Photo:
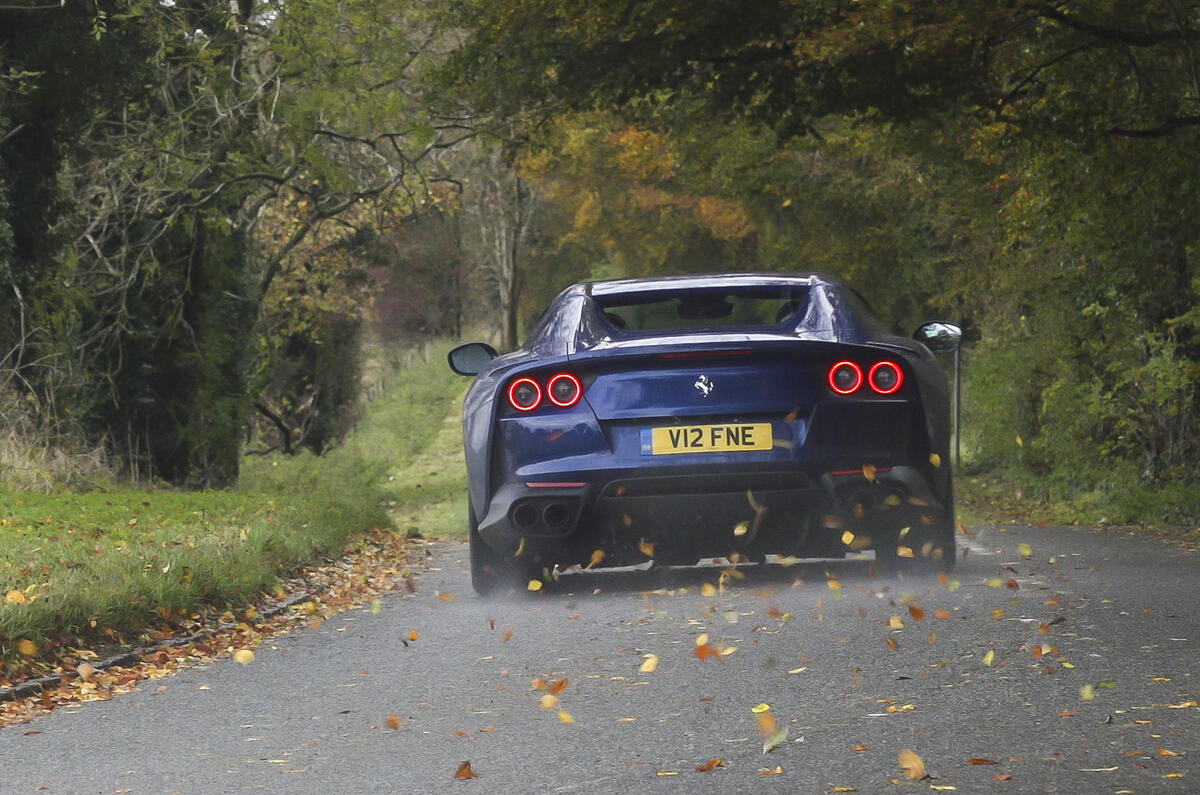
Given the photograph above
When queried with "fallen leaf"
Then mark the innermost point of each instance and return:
(548, 701)
(711, 764)
(15, 597)
(461, 734)
(507, 636)
(649, 663)
(243, 656)
(445, 597)
(941, 614)
(393, 722)
(465, 771)
(912, 765)
(895, 622)
(1002, 777)
(27, 647)
(1169, 752)
(981, 761)
(989, 657)
(857, 748)
(766, 771)
(413, 635)
(86, 672)
(539, 684)
(1025, 550)
(891, 643)
(557, 686)
(565, 717)
(916, 612)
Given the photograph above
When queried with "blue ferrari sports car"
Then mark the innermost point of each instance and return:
(681, 418)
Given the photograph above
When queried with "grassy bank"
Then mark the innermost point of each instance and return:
(113, 565)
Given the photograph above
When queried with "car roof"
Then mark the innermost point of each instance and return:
(667, 284)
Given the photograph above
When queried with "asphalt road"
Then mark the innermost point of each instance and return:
(311, 712)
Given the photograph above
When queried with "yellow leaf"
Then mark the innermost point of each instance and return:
(520, 548)
(702, 639)
(1025, 550)
(912, 765)
(534, 585)
(989, 657)
(376, 607)
(1020, 441)
(760, 708)
(565, 717)
(935, 459)
(892, 500)
(412, 635)
(895, 622)
(741, 529)
(847, 538)
(708, 589)
(904, 552)
(548, 701)
(445, 597)
(774, 740)
(243, 656)
(649, 663)
(15, 597)
(597, 556)
(868, 471)
(798, 670)
(646, 548)
(766, 771)
(1087, 693)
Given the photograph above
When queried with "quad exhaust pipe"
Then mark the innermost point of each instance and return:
(543, 516)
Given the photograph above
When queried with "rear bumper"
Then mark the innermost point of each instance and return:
(686, 517)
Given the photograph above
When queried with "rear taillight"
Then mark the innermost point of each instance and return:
(564, 390)
(524, 394)
(845, 378)
(885, 378)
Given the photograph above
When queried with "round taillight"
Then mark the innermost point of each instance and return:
(524, 394)
(845, 378)
(564, 390)
(885, 377)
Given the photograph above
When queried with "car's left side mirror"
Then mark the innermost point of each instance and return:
(471, 358)
(939, 336)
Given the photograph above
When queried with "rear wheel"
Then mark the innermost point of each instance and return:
(490, 571)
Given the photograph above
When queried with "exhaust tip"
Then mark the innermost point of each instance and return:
(555, 515)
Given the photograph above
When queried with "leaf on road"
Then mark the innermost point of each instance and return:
(916, 612)
(649, 663)
(891, 643)
(895, 622)
(981, 761)
(557, 686)
(548, 701)
(412, 635)
(1025, 550)
(857, 749)
(766, 771)
(990, 657)
(565, 717)
(446, 597)
(394, 722)
(507, 636)
(710, 765)
(912, 765)
(243, 656)
(1087, 693)
(465, 771)
(941, 614)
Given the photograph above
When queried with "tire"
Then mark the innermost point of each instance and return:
(490, 572)
(486, 566)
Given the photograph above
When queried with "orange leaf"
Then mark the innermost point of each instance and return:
(941, 614)
(27, 647)
(707, 650)
(465, 771)
(767, 725)
(912, 765)
(916, 612)
(538, 684)
(1011, 584)
(393, 722)
(766, 771)
(711, 764)
(445, 597)
(857, 748)
(557, 686)
(891, 643)
(461, 734)
(646, 548)
(413, 635)
(1002, 777)
(981, 761)
(868, 471)
(507, 636)
(597, 556)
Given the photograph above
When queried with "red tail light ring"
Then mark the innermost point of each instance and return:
(564, 390)
(524, 394)
(845, 377)
(885, 377)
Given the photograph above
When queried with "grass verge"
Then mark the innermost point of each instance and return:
(116, 566)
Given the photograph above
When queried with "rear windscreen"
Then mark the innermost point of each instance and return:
(697, 310)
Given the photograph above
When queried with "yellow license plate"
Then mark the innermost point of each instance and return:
(733, 437)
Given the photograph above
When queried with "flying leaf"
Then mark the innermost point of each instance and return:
(710, 765)
(534, 585)
(775, 740)
(895, 622)
(935, 459)
(565, 717)
(941, 614)
(904, 552)
(557, 686)
(708, 589)
(916, 612)
(646, 548)
(741, 528)
(1087, 693)
(520, 548)
(766, 771)
(708, 650)
(649, 663)
(1025, 550)
(761, 708)
(868, 471)
(1020, 441)
(412, 635)
(243, 656)
(597, 556)
(847, 538)
(891, 643)
(548, 701)
(465, 771)
(912, 765)
(507, 636)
